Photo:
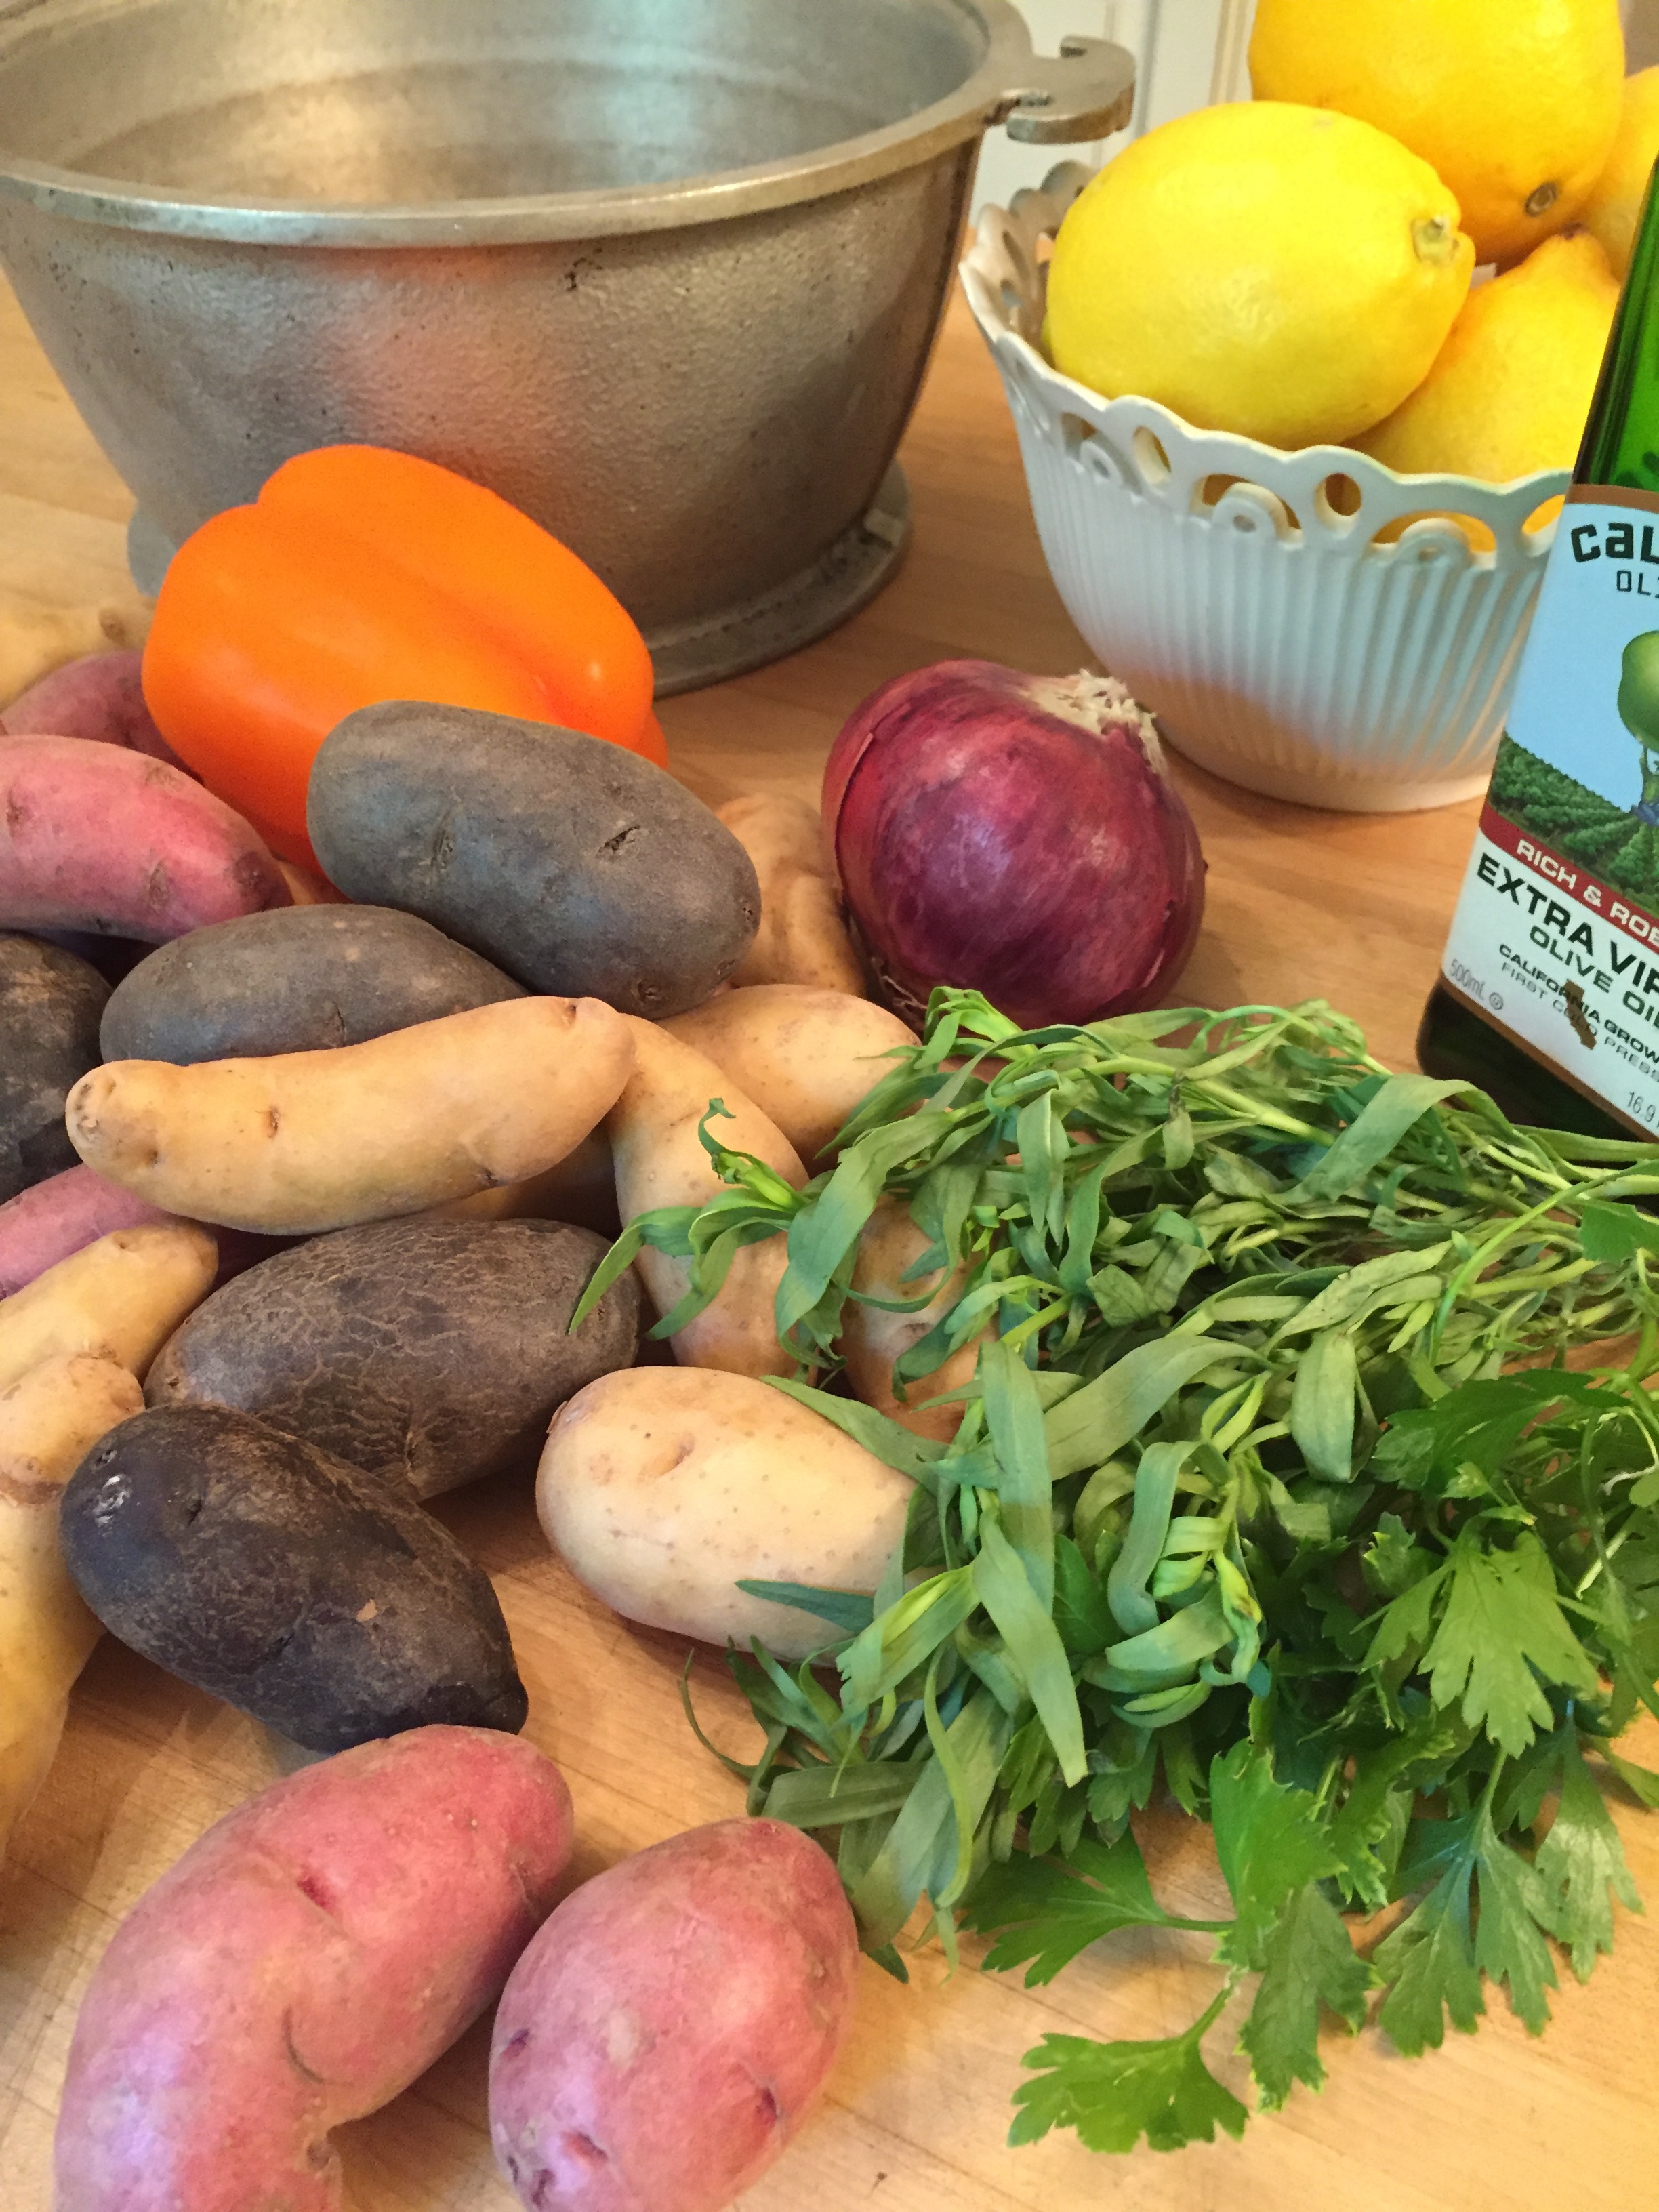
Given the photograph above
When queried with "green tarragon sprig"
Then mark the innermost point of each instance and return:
(1270, 1483)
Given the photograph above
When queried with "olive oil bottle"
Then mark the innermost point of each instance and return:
(1549, 989)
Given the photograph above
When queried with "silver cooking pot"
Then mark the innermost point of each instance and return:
(663, 272)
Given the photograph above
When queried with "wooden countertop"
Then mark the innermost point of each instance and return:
(1350, 907)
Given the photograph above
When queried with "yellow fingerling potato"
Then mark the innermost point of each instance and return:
(802, 938)
(872, 1339)
(661, 1161)
(806, 1057)
(119, 1298)
(664, 1487)
(49, 1421)
(306, 1141)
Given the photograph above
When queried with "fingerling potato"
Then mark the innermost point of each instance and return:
(873, 1338)
(661, 1161)
(429, 1353)
(302, 1142)
(119, 1298)
(49, 1421)
(51, 1003)
(323, 1601)
(806, 1057)
(95, 837)
(802, 938)
(662, 2037)
(304, 1961)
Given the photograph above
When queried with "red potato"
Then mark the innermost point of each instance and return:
(63, 1214)
(100, 697)
(660, 2040)
(95, 837)
(303, 1962)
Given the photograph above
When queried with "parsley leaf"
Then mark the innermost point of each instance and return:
(1502, 1622)
(1515, 1909)
(1369, 1827)
(1429, 1960)
(1641, 1781)
(1434, 1959)
(1308, 1959)
(1393, 1561)
(1406, 1625)
(1581, 1863)
(1047, 1911)
(1272, 1842)
(1112, 2094)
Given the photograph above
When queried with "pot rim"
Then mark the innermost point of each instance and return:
(1057, 101)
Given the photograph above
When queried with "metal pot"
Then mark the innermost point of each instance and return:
(663, 272)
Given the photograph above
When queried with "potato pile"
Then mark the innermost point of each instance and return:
(297, 1198)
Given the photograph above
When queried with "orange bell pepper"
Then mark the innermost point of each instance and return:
(362, 575)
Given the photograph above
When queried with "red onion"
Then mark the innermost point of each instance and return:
(1014, 834)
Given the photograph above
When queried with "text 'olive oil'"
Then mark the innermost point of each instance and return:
(1549, 996)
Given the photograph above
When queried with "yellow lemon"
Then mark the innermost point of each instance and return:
(1513, 384)
(1514, 102)
(1614, 208)
(1278, 271)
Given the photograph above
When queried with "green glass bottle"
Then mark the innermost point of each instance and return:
(1549, 989)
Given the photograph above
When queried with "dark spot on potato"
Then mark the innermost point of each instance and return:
(612, 846)
(194, 1510)
(16, 813)
(514, 2045)
(111, 1497)
(273, 1119)
(313, 1886)
(319, 2156)
(542, 2195)
(771, 2112)
(441, 852)
(293, 2055)
(157, 888)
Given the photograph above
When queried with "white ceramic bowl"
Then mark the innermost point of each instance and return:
(1277, 642)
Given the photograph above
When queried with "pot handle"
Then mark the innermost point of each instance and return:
(1087, 93)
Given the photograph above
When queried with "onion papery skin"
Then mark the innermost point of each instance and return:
(1015, 835)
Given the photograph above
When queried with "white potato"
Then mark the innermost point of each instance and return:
(661, 1161)
(49, 1421)
(802, 938)
(871, 1340)
(805, 1056)
(119, 1298)
(663, 1488)
(299, 1142)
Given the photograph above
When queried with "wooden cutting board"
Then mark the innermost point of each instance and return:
(1349, 908)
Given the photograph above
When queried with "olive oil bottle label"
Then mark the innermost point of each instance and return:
(1556, 937)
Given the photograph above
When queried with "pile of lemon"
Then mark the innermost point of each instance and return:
(1298, 269)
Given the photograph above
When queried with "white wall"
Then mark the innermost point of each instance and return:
(1189, 53)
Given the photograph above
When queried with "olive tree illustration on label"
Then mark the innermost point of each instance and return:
(1638, 710)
